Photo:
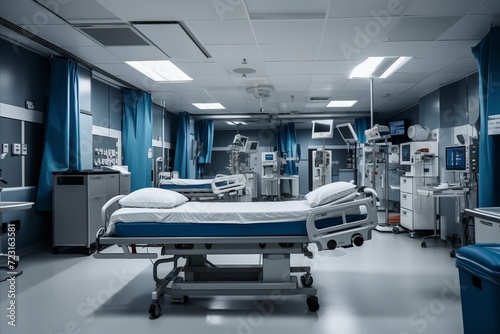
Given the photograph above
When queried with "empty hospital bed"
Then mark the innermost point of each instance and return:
(336, 215)
(218, 187)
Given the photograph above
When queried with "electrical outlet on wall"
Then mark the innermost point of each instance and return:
(16, 149)
(24, 149)
(5, 148)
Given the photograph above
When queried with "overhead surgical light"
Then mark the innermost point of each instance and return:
(378, 67)
(160, 71)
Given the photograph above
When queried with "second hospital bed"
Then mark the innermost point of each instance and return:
(191, 231)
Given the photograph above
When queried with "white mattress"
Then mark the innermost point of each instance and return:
(186, 182)
(220, 212)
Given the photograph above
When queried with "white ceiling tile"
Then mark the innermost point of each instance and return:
(236, 53)
(447, 49)
(121, 69)
(222, 32)
(195, 69)
(411, 28)
(94, 55)
(79, 11)
(300, 82)
(426, 65)
(462, 65)
(288, 32)
(357, 32)
(286, 68)
(327, 82)
(63, 35)
(472, 27)
(130, 53)
(442, 78)
(172, 39)
(488, 7)
(160, 10)
(335, 67)
(289, 52)
(213, 80)
(400, 77)
(441, 8)
(263, 9)
(368, 8)
(29, 14)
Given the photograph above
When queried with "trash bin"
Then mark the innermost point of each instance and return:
(479, 272)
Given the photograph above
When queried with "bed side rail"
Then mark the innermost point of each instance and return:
(228, 183)
(347, 233)
(108, 208)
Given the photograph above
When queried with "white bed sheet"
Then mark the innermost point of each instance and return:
(220, 212)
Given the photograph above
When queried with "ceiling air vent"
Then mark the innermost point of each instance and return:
(113, 35)
(318, 99)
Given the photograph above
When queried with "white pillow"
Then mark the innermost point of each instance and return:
(153, 198)
(329, 192)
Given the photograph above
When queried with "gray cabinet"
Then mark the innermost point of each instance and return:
(77, 201)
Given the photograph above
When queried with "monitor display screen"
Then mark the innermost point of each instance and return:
(269, 157)
(322, 129)
(456, 158)
(397, 127)
(347, 132)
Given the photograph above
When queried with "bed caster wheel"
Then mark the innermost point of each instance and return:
(312, 303)
(185, 299)
(395, 230)
(424, 245)
(331, 244)
(306, 280)
(87, 251)
(453, 254)
(154, 310)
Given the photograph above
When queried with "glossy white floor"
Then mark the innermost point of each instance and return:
(389, 285)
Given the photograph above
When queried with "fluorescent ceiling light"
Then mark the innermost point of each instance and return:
(160, 71)
(235, 123)
(343, 103)
(395, 66)
(366, 68)
(378, 67)
(208, 106)
(222, 116)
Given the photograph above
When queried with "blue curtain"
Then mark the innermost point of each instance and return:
(360, 125)
(183, 147)
(487, 54)
(137, 136)
(61, 151)
(204, 135)
(287, 141)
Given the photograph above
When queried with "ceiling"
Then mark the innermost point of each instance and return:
(298, 54)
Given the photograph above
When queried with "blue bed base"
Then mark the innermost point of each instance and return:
(148, 229)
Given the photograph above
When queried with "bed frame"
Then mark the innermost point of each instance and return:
(199, 277)
(220, 186)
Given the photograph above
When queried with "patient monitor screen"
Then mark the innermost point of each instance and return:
(456, 158)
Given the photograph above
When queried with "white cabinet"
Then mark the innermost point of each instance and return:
(77, 201)
(417, 211)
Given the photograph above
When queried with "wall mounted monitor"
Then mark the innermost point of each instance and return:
(347, 132)
(397, 127)
(251, 146)
(456, 158)
(322, 129)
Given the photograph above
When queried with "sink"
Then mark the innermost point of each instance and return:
(7, 206)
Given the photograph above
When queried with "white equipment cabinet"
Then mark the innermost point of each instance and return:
(78, 197)
(416, 211)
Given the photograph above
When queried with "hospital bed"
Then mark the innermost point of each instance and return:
(191, 231)
(217, 187)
